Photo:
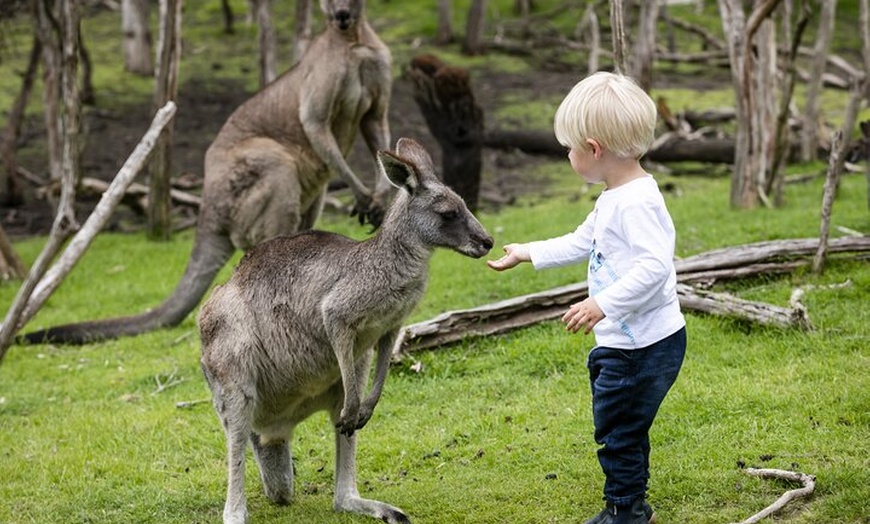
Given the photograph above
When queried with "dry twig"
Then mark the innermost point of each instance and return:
(808, 483)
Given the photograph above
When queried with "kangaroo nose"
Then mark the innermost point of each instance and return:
(487, 243)
(342, 16)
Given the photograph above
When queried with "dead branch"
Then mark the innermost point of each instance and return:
(808, 483)
(720, 264)
(41, 283)
(831, 181)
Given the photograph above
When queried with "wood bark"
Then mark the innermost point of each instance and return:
(617, 31)
(444, 34)
(42, 281)
(589, 24)
(137, 37)
(719, 264)
(474, 28)
(302, 29)
(10, 263)
(808, 486)
(44, 15)
(166, 89)
(810, 135)
(645, 44)
(831, 181)
(266, 35)
(673, 149)
(12, 192)
(447, 102)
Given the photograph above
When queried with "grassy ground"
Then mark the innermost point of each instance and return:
(493, 430)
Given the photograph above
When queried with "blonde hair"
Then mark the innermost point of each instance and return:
(611, 109)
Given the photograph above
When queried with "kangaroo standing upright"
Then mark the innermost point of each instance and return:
(293, 331)
(267, 170)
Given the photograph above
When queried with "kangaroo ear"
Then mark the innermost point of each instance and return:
(400, 172)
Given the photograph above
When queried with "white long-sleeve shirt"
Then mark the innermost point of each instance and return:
(628, 239)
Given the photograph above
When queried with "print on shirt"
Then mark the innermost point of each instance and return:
(601, 276)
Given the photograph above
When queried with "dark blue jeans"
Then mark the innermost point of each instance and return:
(628, 386)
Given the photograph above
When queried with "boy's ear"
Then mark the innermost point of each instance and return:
(596, 147)
(400, 172)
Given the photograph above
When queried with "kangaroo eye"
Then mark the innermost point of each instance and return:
(450, 215)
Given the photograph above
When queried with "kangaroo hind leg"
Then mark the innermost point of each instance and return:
(276, 467)
(347, 497)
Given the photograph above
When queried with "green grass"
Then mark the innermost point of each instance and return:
(493, 430)
(496, 429)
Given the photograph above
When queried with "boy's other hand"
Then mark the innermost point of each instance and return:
(583, 315)
(514, 254)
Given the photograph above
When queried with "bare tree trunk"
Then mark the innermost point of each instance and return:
(589, 22)
(645, 44)
(473, 44)
(227, 11)
(88, 94)
(12, 194)
(523, 8)
(268, 60)
(766, 87)
(810, 131)
(70, 121)
(302, 34)
(444, 35)
(10, 264)
(782, 140)
(748, 167)
(455, 119)
(166, 89)
(137, 37)
(831, 181)
(617, 29)
(44, 16)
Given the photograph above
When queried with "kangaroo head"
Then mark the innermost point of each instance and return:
(430, 210)
(343, 14)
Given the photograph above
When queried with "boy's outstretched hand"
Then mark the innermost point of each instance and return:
(514, 254)
(583, 315)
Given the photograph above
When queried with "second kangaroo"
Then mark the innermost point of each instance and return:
(293, 331)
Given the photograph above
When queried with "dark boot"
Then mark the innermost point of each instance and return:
(635, 513)
(606, 516)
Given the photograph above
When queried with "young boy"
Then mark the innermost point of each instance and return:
(608, 123)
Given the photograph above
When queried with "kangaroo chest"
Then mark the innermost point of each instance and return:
(366, 79)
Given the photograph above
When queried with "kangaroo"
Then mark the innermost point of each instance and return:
(292, 332)
(267, 169)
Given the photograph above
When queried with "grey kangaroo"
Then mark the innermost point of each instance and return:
(267, 170)
(293, 331)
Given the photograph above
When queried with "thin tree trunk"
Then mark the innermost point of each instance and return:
(645, 44)
(302, 34)
(810, 131)
(71, 116)
(137, 37)
(473, 44)
(12, 193)
(10, 263)
(166, 89)
(782, 140)
(444, 35)
(589, 22)
(268, 60)
(831, 181)
(88, 94)
(227, 11)
(617, 29)
(766, 81)
(51, 68)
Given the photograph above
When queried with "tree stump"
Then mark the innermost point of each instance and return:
(446, 100)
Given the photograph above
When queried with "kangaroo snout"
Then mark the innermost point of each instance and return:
(343, 18)
(481, 246)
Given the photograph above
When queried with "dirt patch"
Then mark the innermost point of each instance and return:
(110, 136)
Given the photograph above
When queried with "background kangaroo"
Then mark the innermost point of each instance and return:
(292, 332)
(267, 170)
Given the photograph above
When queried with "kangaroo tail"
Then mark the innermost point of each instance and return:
(210, 253)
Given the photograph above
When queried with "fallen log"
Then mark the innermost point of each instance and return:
(714, 150)
(720, 264)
